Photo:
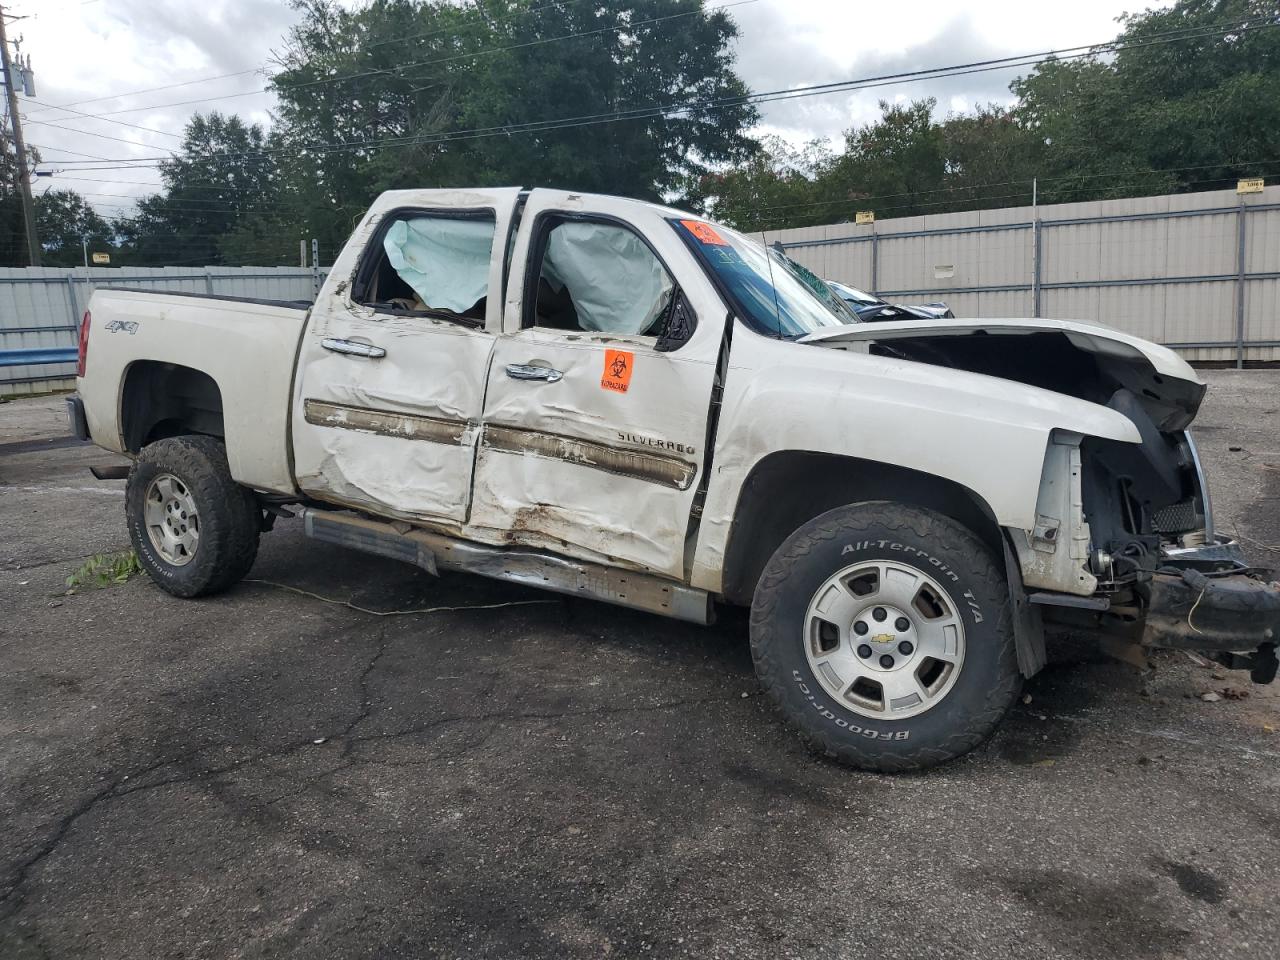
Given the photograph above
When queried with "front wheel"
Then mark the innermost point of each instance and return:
(194, 529)
(884, 633)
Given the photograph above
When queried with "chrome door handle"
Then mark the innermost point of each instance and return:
(353, 349)
(527, 371)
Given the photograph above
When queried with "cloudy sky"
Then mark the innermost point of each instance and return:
(104, 57)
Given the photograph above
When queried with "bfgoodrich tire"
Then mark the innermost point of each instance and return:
(194, 528)
(884, 634)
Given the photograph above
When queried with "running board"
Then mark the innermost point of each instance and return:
(433, 552)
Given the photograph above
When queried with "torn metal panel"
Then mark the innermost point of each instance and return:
(667, 471)
(390, 476)
(564, 507)
(1054, 554)
(386, 422)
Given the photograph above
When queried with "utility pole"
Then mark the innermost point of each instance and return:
(20, 147)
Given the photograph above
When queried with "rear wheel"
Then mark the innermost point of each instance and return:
(884, 634)
(194, 529)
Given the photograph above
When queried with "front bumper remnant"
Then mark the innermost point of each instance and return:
(1228, 612)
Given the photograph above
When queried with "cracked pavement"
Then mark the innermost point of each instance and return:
(265, 775)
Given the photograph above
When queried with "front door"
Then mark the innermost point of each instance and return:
(391, 371)
(594, 441)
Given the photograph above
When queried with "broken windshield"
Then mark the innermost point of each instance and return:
(774, 294)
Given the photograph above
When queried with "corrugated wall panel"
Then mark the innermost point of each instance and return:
(1132, 249)
(1138, 310)
(1003, 303)
(1007, 257)
(1070, 304)
(38, 308)
(1108, 258)
(1262, 310)
(1071, 253)
(1262, 242)
(1201, 246)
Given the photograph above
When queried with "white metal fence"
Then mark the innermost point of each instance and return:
(1198, 272)
(40, 308)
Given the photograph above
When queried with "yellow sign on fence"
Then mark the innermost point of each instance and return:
(102, 258)
(864, 216)
(1251, 185)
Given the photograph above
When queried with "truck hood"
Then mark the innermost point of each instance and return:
(1073, 357)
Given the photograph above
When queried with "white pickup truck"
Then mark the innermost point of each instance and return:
(617, 400)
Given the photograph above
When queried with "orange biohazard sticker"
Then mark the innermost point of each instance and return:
(617, 370)
(704, 232)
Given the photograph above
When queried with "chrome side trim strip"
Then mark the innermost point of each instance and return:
(389, 423)
(668, 471)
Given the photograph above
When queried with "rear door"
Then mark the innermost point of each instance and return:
(391, 371)
(594, 439)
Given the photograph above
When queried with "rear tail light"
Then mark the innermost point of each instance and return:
(83, 355)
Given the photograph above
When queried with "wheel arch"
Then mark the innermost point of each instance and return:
(159, 399)
(788, 488)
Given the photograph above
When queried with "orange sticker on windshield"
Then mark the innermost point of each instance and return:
(704, 232)
(617, 370)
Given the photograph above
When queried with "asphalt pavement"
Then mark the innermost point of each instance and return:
(512, 774)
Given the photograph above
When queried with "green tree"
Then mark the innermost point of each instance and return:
(224, 175)
(65, 223)
(437, 94)
(1191, 100)
(990, 160)
(894, 164)
(778, 186)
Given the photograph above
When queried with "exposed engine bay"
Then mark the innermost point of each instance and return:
(1139, 498)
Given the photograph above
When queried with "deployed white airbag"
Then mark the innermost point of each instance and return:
(616, 283)
(446, 262)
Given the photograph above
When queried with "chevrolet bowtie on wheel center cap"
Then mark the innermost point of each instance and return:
(884, 639)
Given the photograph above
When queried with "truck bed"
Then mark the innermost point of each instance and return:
(138, 365)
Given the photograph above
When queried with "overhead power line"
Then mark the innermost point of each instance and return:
(88, 133)
(45, 146)
(134, 93)
(81, 113)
